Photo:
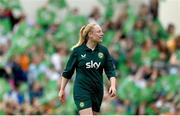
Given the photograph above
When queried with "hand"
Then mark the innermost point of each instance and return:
(62, 96)
(112, 91)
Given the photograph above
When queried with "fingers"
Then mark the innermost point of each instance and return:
(112, 92)
(62, 97)
(63, 100)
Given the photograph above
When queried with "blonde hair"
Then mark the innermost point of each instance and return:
(84, 34)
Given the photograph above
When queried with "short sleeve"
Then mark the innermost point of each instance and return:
(70, 66)
(109, 65)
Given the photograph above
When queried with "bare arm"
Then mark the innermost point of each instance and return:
(113, 81)
(67, 74)
(63, 84)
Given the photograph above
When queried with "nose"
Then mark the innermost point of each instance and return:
(102, 34)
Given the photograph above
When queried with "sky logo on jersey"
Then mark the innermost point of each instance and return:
(92, 64)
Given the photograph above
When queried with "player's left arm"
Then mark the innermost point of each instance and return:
(110, 72)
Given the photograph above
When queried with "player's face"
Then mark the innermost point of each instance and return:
(96, 34)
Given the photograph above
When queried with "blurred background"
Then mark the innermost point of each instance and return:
(143, 36)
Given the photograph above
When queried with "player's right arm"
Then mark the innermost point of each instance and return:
(67, 74)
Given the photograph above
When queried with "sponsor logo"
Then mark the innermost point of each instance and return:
(83, 56)
(92, 64)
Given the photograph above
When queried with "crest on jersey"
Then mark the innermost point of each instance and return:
(100, 55)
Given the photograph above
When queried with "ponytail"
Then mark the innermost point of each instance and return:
(83, 34)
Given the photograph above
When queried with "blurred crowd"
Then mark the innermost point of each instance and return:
(34, 52)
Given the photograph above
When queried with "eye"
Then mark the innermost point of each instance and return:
(99, 31)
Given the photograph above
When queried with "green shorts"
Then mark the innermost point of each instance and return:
(86, 99)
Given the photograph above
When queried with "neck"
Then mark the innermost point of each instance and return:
(91, 45)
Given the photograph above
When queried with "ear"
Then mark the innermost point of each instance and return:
(90, 34)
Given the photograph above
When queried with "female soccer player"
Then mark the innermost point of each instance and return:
(89, 58)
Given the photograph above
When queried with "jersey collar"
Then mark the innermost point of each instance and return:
(88, 49)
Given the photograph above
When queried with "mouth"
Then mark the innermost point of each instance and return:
(100, 37)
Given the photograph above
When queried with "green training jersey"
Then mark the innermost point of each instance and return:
(89, 65)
